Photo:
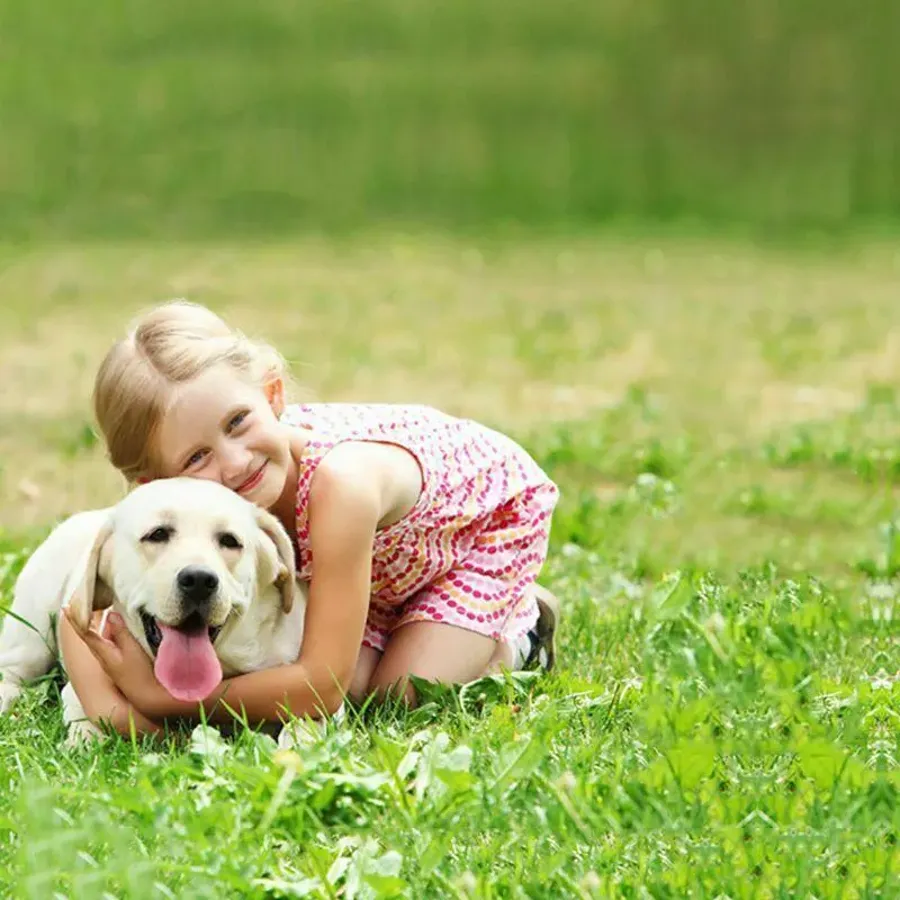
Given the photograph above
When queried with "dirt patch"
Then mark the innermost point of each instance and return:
(879, 367)
(842, 389)
(785, 403)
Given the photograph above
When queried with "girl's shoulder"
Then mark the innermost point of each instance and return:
(362, 416)
(427, 432)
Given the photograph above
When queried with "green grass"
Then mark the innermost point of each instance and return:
(723, 423)
(221, 119)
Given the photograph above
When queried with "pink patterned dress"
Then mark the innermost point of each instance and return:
(472, 545)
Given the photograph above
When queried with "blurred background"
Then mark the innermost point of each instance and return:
(655, 241)
(126, 118)
(645, 237)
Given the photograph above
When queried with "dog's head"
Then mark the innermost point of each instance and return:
(185, 557)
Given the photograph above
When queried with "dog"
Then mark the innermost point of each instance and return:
(203, 579)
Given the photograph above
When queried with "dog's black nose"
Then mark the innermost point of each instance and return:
(197, 584)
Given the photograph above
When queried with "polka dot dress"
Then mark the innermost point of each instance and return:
(475, 541)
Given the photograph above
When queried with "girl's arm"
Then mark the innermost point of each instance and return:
(101, 699)
(344, 511)
(345, 506)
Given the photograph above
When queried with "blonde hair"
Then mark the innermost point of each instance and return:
(166, 347)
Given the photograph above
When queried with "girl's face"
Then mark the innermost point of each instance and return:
(223, 429)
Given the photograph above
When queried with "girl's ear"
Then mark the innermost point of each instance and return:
(274, 390)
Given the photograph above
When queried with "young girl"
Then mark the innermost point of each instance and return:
(421, 534)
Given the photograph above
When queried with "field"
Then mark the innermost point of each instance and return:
(655, 242)
(723, 421)
(173, 121)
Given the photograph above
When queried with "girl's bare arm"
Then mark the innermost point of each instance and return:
(101, 699)
(344, 513)
(355, 488)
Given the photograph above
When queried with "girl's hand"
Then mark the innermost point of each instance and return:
(126, 664)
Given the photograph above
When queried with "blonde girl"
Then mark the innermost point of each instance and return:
(421, 534)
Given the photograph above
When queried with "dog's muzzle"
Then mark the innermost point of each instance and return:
(197, 586)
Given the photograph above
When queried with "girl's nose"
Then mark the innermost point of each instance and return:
(234, 465)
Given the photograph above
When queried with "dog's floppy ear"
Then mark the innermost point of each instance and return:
(285, 573)
(83, 594)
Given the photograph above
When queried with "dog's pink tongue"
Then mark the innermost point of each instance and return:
(186, 663)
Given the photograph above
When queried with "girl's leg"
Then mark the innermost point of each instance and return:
(366, 663)
(437, 651)
(452, 626)
(434, 651)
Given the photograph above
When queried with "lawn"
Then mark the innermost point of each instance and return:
(190, 120)
(723, 420)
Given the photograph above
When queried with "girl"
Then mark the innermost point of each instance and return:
(421, 534)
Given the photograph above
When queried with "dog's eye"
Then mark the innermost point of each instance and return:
(159, 535)
(229, 541)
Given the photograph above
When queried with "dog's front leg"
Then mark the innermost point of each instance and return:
(27, 639)
(79, 728)
(297, 733)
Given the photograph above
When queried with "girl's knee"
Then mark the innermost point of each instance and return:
(399, 689)
(366, 663)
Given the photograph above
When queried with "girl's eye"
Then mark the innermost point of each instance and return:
(237, 421)
(194, 459)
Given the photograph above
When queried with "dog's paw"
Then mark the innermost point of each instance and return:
(299, 734)
(9, 693)
(303, 732)
(82, 732)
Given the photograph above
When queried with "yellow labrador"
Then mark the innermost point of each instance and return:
(204, 580)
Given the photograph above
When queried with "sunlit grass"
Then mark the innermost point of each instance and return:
(723, 718)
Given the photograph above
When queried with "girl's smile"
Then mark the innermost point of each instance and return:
(222, 428)
(254, 480)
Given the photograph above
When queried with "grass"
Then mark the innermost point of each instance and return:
(164, 121)
(723, 421)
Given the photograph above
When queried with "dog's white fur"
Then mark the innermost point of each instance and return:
(102, 558)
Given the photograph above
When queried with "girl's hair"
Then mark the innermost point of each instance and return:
(164, 348)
